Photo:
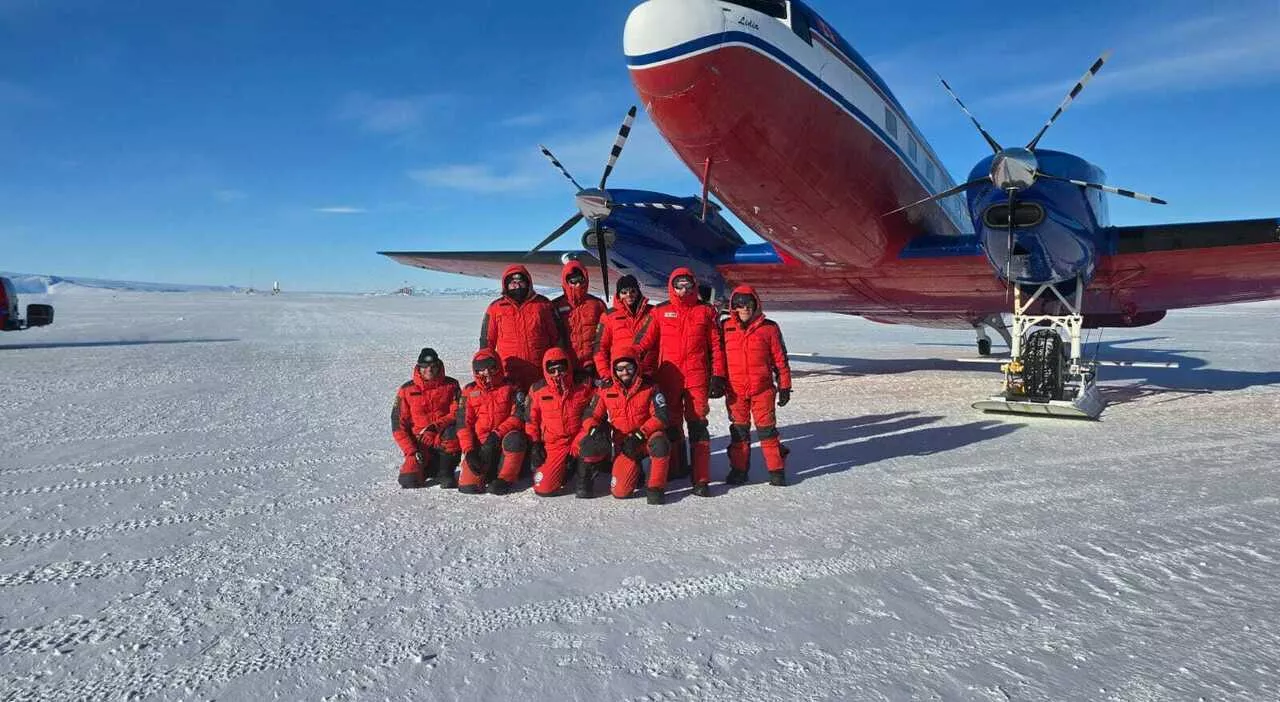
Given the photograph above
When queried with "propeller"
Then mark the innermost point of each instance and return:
(1015, 169)
(595, 205)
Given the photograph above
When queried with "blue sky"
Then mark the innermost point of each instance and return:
(244, 141)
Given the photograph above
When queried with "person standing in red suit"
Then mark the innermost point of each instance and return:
(423, 423)
(759, 377)
(519, 327)
(636, 413)
(578, 314)
(557, 408)
(691, 368)
(490, 429)
(627, 322)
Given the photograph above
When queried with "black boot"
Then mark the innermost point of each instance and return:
(778, 478)
(736, 477)
(470, 490)
(499, 487)
(655, 496)
(448, 463)
(411, 481)
(586, 478)
(702, 490)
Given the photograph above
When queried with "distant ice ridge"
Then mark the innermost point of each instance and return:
(34, 284)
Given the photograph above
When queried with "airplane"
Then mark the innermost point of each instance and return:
(789, 127)
(10, 320)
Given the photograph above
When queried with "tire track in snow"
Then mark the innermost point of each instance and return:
(429, 633)
(208, 515)
(88, 570)
(103, 485)
(163, 457)
(43, 441)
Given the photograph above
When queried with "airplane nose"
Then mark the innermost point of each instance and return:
(655, 26)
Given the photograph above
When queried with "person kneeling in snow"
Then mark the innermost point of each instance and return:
(558, 405)
(490, 428)
(636, 411)
(423, 424)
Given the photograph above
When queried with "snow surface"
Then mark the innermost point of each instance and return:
(199, 501)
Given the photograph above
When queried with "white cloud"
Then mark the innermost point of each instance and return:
(472, 177)
(385, 115)
(341, 210)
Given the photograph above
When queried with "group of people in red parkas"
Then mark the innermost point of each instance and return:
(569, 389)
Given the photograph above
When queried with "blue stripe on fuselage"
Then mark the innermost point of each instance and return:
(781, 56)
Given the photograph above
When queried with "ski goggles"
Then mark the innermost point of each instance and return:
(684, 282)
(745, 302)
(576, 279)
(624, 366)
(517, 280)
(557, 367)
(484, 364)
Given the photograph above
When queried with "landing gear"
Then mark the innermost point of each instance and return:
(996, 322)
(1045, 373)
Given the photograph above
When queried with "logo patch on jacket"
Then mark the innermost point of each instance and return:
(671, 315)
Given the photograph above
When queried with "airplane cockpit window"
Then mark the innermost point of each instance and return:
(773, 8)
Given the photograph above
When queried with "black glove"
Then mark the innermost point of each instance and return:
(538, 454)
(633, 445)
(716, 390)
(784, 396)
(422, 460)
(475, 463)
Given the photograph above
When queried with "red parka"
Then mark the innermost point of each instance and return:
(520, 332)
(690, 351)
(421, 408)
(578, 314)
(755, 352)
(555, 414)
(622, 326)
(488, 409)
(640, 407)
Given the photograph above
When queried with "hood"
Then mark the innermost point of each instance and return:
(421, 382)
(555, 353)
(692, 298)
(627, 351)
(575, 296)
(499, 378)
(746, 290)
(513, 269)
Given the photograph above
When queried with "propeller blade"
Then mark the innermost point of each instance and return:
(569, 224)
(956, 190)
(995, 145)
(623, 133)
(1066, 102)
(551, 157)
(651, 205)
(603, 255)
(1107, 188)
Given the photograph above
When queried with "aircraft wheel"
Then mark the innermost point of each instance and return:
(984, 347)
(1045, 365)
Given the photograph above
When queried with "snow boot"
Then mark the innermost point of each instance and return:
(702, 490)
(654, 496)
(499, 487)
(778, 478)
(448, 463)
(736, 477)
(585, 480)
(471, 490)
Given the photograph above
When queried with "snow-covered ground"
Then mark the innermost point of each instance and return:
(198, 501)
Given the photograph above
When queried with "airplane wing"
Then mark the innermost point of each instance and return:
(1174, 266)
(544, 266)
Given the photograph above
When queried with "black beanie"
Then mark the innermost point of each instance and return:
(628, 281)
(428, 356)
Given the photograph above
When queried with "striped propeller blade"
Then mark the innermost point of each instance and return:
(555, 162)
(1066, 102)
(651, 205)
(618, 143)
(1108, 189)
(995, 145)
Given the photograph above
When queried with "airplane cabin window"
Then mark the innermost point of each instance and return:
(890, 123)
(773, 8)
(912, 149)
